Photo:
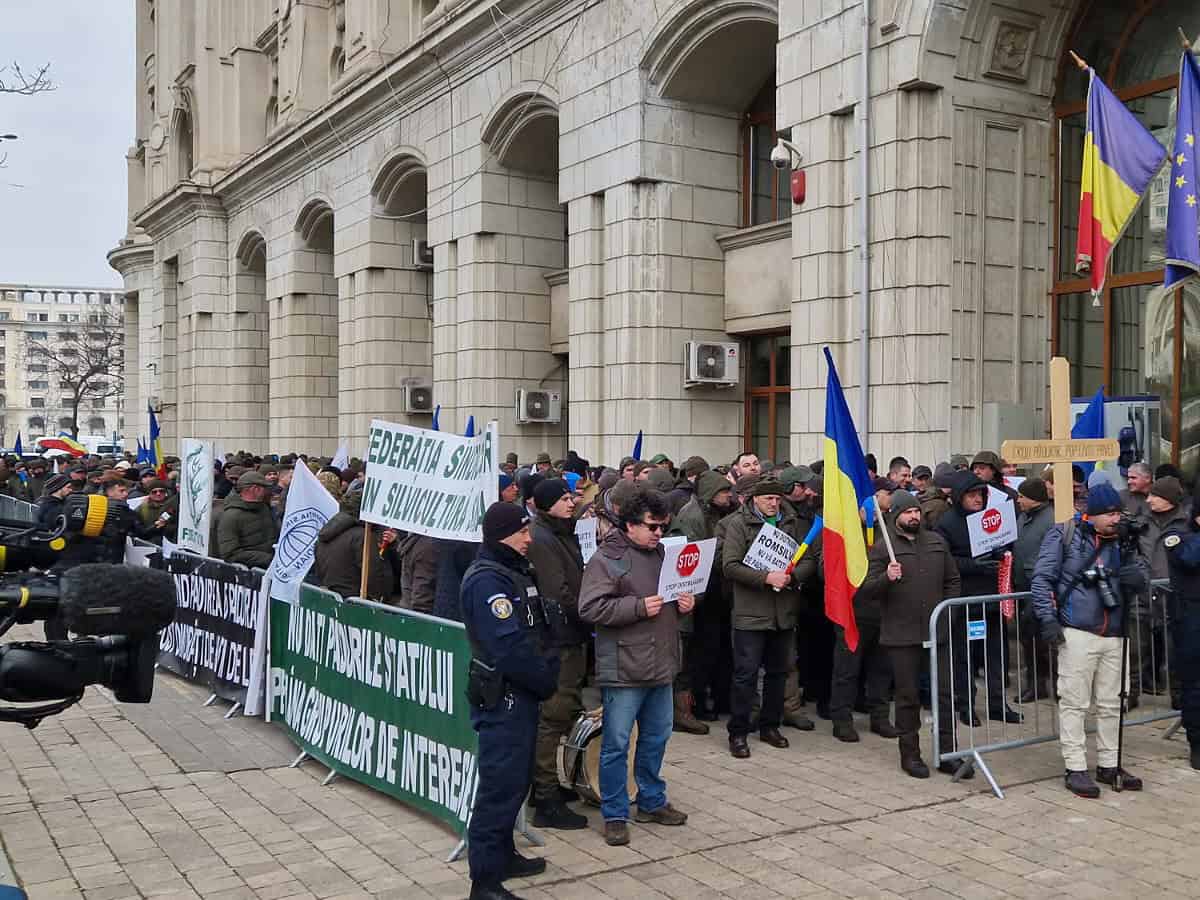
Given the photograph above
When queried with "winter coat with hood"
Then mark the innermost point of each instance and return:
(247, 532)
(682, 494)
(339, 559)
(934, 504)
(757, 606)
(979, 575)
(558, 567)
(697, 521)
(632, 649)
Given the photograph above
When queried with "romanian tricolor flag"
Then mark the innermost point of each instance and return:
(155, 447)
(1120, 159)
(847, 488)
(64, 442)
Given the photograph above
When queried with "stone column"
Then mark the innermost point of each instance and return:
(586, 324)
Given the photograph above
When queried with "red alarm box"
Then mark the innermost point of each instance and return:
(799, 185)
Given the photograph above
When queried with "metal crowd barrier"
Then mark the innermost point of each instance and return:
(980, 639)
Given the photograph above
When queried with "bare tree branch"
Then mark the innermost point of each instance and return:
(24, 85)
(85, 361)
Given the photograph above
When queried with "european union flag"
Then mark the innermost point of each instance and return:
(1090, 424)
(1183, 215)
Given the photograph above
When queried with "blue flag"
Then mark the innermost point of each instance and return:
(1183, 207)
(470, 432)
(637, 446)
(17, 449)
(437, 411)
(1090, 425)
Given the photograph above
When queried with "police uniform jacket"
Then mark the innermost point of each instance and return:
(497, 591)
(1183, 560)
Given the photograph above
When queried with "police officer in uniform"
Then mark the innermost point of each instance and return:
(510, 675)
(1182, 544)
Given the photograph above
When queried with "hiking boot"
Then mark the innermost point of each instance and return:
(952, 768)
(739, 747)
(616, 833)
(497, 891)
(1109, 776)
(1009, 716)
(798, 720)
(566, 795)
(664, 815)
(524, 866)
(553, 813)
(884, 728)
(915, 766)
(1081, 785)
(843, 730)
(773, 737)
(685, 719)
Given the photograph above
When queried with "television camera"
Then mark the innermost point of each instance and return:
(118, 611)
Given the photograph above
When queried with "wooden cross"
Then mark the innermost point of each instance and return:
(1061, 450)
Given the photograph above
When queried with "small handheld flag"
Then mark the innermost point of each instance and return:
(637, 446)
(437, 411)
(817, 525)
(17, 449)
(156, 455)
(470, 432)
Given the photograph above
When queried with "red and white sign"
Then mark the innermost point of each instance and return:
(995, 526)
(686, 567)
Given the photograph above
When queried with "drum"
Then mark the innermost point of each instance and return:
(579, 757)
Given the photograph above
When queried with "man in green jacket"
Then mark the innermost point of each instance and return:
(764, 616)
(247, 531)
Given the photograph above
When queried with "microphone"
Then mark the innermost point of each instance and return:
(97, 599)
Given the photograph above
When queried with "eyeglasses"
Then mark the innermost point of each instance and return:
(654, 526)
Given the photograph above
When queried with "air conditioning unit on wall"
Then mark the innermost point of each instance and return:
(422, 254)
(537, 407)
(418, 399)
(710, 362)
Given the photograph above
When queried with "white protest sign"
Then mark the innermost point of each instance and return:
(772, 550)
(195, 496)
(135, 503)
(309, 507)
(686, 567)
(585, 533)
(430, 482)
(995, 526)
(1013, 481)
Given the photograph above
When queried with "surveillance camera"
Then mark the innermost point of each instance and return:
(786, 155)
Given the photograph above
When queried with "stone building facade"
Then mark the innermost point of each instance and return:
(331, 199)
(32, 399)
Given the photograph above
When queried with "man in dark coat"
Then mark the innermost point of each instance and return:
(340, 552)
(979, 577)
(907, 591)
(247, 531)
(558, 570)
(418, 572)
(685, 488)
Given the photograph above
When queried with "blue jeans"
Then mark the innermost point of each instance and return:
(653, 708)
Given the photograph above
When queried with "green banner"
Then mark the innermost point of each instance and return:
(379, 697)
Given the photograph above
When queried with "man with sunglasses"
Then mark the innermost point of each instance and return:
(637, 658)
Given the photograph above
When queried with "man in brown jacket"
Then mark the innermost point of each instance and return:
(764, 616)
(908, 589)
(637, 658)
(557, 571)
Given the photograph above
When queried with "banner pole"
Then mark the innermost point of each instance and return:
(366, 560)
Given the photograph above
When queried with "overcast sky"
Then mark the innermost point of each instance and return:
(69, 161)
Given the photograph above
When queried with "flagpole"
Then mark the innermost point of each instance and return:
(1079, 61)
(1183, 39)
(366, 560)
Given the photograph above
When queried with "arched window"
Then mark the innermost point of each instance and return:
(1135, 339)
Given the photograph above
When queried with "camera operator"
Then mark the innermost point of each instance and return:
(1082, 576)
(1181, 541)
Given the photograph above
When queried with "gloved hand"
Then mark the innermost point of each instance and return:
(1052, 633)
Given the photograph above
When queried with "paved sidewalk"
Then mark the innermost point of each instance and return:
(172, 800)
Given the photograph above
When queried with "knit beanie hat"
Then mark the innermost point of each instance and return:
(501, 520)
(902, 500)
(548, 492)
(1034, 489)
(1101, 499)
(1169, 488)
